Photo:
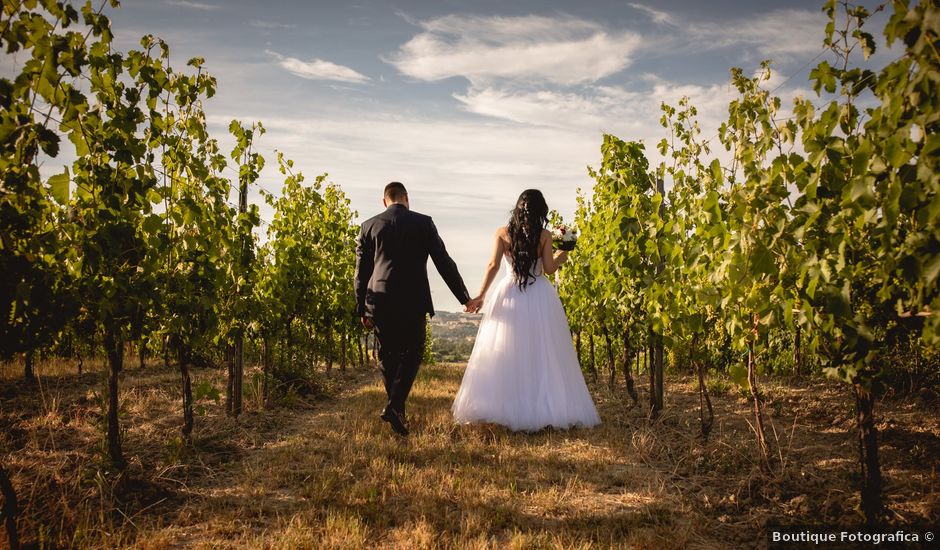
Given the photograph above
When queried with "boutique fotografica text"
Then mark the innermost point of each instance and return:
(871, 537)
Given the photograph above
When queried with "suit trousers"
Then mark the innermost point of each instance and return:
(401, 340)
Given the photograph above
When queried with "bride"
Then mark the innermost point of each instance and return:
(523, 372)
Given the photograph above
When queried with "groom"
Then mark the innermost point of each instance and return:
(393, 296)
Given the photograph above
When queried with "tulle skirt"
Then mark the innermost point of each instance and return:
(523, 372)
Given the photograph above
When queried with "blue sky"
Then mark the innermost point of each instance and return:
(469, 102)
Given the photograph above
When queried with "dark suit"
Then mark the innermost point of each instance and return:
(392, 287)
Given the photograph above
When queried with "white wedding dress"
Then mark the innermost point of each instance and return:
(523, 372)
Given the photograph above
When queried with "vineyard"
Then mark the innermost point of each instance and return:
(141, 276)
(815, 251)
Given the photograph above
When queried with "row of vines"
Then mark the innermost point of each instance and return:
(815, 249)
(147, 239)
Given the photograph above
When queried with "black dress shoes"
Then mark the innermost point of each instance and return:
(395, 420)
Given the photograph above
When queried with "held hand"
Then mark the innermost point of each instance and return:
(367, 322)
(473, 305)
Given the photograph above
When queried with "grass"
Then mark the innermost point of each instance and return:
(330, 474)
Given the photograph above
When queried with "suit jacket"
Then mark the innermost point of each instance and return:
(392, 264)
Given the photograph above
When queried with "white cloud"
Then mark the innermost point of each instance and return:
(318, 69)
(539, 108)
(782, 33)
(192, 5)
(630, 114)
(656, 15)
(561, 50)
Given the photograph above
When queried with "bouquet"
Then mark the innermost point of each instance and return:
(564, 237)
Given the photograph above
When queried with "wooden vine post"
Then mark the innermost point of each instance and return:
(656, 376)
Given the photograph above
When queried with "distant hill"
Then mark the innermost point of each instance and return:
(455, 316)
(453, 335)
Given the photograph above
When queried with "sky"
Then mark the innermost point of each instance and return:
(469, 102)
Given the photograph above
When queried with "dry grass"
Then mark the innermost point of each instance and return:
(331, 475)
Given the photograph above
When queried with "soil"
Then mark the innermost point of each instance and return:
(326, 472)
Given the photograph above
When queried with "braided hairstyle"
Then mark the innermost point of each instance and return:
(525, 231)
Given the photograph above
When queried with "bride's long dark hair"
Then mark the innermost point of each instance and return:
(525, 231)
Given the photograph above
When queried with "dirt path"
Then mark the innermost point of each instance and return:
(336, 477)
(331, 475)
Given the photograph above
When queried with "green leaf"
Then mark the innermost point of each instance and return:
(59, 186)
(811, 287)
(862, 189)
(49, 141)
(205, 390)
(763, 261)
(738, 373)
(152, 224)
(932, 270)
(931, 145)
(154, 196)
(717, 175)
(657, 200)
(823, 77)
(896, 153)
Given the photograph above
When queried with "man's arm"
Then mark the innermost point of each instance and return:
(365, 263)
(446, 267)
